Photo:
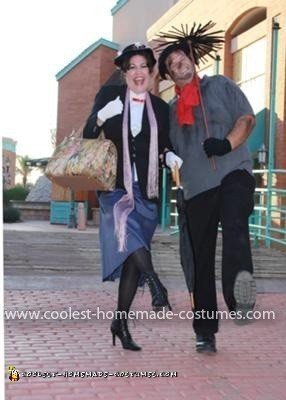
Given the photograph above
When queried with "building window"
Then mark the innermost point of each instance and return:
(250, 75)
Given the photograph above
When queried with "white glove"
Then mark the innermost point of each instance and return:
(172, 160)
(111, 109)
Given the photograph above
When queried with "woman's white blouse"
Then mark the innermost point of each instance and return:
(136, 114)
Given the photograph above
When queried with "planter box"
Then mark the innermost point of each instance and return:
(32, 210)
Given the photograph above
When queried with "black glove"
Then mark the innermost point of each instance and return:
(216, 147)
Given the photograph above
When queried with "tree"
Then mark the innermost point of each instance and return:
(23, 168)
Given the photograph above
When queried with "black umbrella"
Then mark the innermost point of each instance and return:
(185, 245)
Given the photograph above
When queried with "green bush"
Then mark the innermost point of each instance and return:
(11, 214)
(18, 192)
(5, 198)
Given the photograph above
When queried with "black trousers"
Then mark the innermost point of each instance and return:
(231, 203)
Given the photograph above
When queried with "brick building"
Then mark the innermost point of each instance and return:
(140, 15)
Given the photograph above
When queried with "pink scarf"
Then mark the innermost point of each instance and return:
(125, 205)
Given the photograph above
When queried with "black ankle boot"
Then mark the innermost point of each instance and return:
(119, 328)
(158, 292)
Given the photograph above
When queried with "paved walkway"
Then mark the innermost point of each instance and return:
(250, 363)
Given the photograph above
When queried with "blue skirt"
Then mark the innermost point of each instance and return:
(141, 225)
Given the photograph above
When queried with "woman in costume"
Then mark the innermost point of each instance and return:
(137, 122)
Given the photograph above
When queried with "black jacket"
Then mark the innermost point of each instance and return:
(138, 146)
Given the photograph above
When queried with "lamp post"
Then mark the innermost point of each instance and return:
(217, 63)
(262, 156)
(72, 216)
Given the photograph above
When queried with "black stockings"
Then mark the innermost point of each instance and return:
(137, 263)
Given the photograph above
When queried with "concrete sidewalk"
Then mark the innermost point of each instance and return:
(44, 226)
(250, 363)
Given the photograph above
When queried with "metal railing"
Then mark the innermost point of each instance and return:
(267, 223)
(268, 220)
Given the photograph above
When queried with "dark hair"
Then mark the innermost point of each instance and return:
(163, 70)
(149, 61)
(123, 59)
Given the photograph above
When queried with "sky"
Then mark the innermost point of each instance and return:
(39, 38)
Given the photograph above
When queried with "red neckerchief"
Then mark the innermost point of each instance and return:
(188, 97)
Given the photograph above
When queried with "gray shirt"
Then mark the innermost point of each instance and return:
(224, 103)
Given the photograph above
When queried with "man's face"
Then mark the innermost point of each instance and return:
(180, 67)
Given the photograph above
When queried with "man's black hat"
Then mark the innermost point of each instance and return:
(196, 44)
(132, 50)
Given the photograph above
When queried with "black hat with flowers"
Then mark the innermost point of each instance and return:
(196, 44)
(132, 50)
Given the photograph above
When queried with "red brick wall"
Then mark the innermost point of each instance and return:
(78, 87)
(107, 66)
(76, 92)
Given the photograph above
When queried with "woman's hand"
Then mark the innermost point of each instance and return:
(171, 160)
(111, 109)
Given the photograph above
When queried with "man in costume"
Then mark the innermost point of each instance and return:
(211, 120)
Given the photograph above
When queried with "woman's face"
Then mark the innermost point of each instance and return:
(138, 77)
